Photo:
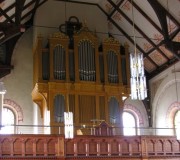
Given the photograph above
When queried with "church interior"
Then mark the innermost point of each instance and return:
(90, 79)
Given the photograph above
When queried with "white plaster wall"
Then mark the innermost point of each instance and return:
(51, 15)
(37, 120)
(19, 82)
(167, 93)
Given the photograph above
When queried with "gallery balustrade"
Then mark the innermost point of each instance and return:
(90, 130)
(90, 142)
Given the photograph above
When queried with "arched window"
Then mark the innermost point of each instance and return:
(129, 124)
(177, 123)
(14, 113)
(8, 126)
(172, 116)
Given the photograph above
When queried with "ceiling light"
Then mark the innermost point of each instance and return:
(138, 79)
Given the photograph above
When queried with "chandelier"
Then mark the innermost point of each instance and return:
(138, 79)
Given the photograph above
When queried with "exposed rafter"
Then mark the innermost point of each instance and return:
(137, 28)
(146, 16)
(115, 9)
(162, 13)
(20, 13)
(126, 35)
(6, 16)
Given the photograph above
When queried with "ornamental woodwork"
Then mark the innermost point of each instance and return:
(27, 146)
(85, 77)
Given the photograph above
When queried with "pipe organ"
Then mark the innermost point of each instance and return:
(81, 79)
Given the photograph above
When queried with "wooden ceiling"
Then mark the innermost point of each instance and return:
(156, 25)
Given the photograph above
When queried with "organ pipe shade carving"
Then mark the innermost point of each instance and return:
(59, 63)
(59, 108)
(87, 66)
(112, 64)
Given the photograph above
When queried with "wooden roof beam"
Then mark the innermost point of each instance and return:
(127, 36)
(115, 8)
(161, 13)
(146, 16)
(18, 11)
(6, 16)
(137, 28)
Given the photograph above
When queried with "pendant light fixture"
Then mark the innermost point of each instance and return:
(138, 79)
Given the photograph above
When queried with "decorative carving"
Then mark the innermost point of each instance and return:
(111, 40)
(59, 35)
(15, 107)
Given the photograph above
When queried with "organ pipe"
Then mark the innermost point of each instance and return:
(86, 61)
(59, 63)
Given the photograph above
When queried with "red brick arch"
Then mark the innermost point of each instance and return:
(135, 111)
(15, 107)
(170, 114)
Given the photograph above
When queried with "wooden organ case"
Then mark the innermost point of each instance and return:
(86, 80)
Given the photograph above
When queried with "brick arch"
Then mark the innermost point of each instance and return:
(15, 107)
(170, 114)
(132, 109)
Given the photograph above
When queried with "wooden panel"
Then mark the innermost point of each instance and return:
(51, 147)
(150, 147)
(125, 147)
(69, 148)
(29, 147)
(81, 148)
(104, 147)
(135, 148)
(87, 105)
(88, 147)
(17, 147)
(92, 147)
(40, 147)
(6, 147)
(114, 147)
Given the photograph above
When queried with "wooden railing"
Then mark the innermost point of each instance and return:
(24, 146)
